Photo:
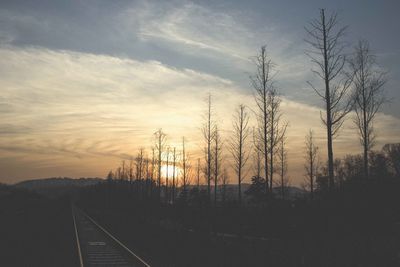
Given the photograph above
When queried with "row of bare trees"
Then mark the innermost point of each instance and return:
(153, 173)
(269, 134)
(213, 169)
(268, 144)
(350, 83)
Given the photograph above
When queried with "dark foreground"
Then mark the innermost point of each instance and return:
(161, 244)
(349, 230)
(354, 229)
(35, 231)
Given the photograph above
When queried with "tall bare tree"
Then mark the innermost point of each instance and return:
(368, 95)
(277, 129)
(257, 153)
(160, 142)
(262, 81)
(325, 39)
(239, 145)
(208, 129)
(217, 151)
(311, 166)
(283, 163)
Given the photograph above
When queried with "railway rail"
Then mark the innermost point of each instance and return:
(98, 247)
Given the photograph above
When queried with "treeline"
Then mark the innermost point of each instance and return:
(349, 171)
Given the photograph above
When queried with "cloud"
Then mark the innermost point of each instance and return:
(83, 88)
(188, 24)
(77, 105)
(229, 38)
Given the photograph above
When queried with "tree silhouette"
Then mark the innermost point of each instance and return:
(174, 161)
(256, 191)
(262, 82)
(207, 130)
(224, 183)
(283, 164)
(368, 95)
(325, 39)
(312, 165)
(238, 145)
(217, 151)
(160, 142)
(257, 154)
(392, 152)
(276, 130)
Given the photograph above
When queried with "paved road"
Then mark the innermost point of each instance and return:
(97, 247)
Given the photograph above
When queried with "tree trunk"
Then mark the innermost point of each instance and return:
(328, 107)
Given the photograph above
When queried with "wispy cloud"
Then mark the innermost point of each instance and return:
(82, 105)
(85, 84)
(77, 110)
(189, 24)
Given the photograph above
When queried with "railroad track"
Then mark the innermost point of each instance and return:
(97, 247)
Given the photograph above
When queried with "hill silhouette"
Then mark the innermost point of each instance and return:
(57, 186)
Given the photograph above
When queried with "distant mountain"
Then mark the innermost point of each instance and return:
(57, 186)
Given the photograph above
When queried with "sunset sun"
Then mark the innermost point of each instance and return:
(168, 171)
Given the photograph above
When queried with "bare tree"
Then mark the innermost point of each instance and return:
(224, 182)
(276, 129)
(217, 147)
(185, 167)
(123, 175)
(160, 141)
(392, 152)
(153, 161)
(368, 95)
(130, 171)
(311, 165)
(166, 176)
(147, 166)
(327, 54)
(198, 174)
(139, 162)
(208, 129)
(238, 145)
(262, 81)
(117, 173)
(110, 175)
(257, 153)
(283, 164)
(174, 161)
(339, 173)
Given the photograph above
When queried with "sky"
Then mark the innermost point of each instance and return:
(85, 84)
